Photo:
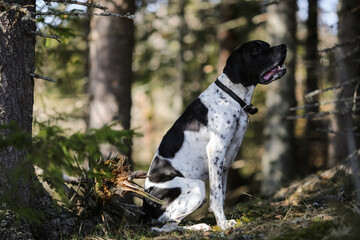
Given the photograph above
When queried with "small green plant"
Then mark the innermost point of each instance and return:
(57, 153)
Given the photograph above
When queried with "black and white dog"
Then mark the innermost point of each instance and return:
(203, 142)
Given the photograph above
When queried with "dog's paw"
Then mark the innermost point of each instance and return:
(168, 227)
(228, 224)
(198, 227)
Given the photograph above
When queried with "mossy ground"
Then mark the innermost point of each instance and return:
(320, 206)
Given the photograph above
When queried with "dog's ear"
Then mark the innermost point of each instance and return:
(236, 68)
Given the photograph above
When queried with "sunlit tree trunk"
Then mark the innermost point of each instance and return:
(278, 154)
(111, 44)
(20, 189)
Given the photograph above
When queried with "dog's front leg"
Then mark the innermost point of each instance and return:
(216, 149)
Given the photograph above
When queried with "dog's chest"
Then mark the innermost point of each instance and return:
(225, 119)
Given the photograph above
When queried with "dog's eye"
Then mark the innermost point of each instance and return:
(255, 50)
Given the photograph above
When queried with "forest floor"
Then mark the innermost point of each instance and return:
(320, 206)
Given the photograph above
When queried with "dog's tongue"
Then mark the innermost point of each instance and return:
(268, 75)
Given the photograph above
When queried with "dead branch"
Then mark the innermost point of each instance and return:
(66, 178)
(352, 11)
(318, 91)
(338, 45)
(311, 105)
(320, 114)
(42, 77)
(56, 37)
(308, 116)
(79, 13)
(340, 132)
(86, 4)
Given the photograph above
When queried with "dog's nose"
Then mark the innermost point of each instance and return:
(282, 47)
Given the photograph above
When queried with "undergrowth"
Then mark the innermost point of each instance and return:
(321, 206)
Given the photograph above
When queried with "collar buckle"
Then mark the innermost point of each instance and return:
(247, 108)
(250, 109)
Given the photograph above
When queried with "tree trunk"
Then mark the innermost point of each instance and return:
(348, 68)
(111, 48)
(313, 148)
(278, 155)
(227, 39)
(20, 190)
(344, 144)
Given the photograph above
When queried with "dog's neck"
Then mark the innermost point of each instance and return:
(240, 90)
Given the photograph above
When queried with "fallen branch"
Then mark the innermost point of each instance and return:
(121, 180)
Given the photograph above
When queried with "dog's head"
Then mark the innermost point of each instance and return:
(256, 62)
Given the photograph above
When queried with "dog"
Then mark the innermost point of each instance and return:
(205, 139)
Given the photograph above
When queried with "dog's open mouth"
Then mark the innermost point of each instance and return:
(274, 73)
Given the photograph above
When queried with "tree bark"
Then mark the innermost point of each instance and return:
(20, 190)
(111, 48)
(278, 155)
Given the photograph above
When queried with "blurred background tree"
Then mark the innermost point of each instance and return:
(111, 44)
(278, 157)
(348, 72)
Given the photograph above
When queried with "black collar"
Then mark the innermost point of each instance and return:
(247, 108)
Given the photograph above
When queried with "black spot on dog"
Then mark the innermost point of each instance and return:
(162, 171)
(216, 160)
(192, 119)
(154, 210)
